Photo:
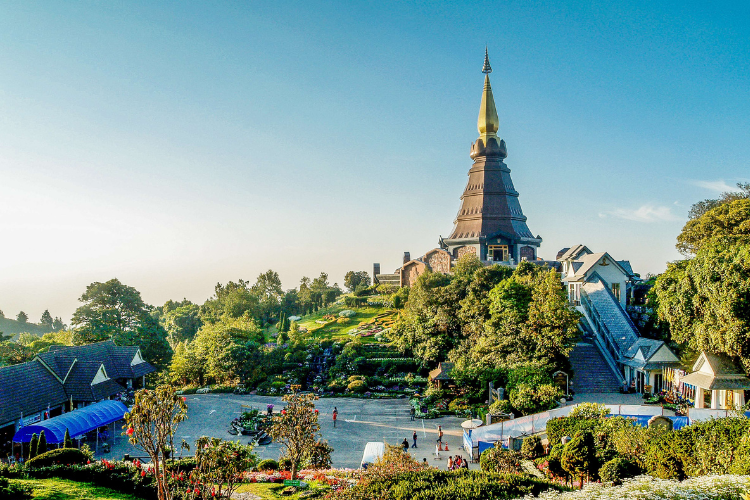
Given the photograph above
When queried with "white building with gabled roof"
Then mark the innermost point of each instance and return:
(599, 287)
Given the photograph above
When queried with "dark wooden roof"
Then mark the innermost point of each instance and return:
(442, 372)
(28, 388)
(116, 359)
(63, 372)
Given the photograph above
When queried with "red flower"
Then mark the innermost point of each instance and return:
(143, 473)
(283, 412)
(184, 399)
(130, 431)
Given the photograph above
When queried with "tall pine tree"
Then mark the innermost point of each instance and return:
(42, 446)
(67, 442)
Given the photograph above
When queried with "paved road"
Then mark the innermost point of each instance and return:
(359, 421)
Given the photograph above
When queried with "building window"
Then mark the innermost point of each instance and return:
(574, 294)
(616, 290)
(497, 253)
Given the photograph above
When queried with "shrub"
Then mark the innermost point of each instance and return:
(268, 464)
(532, 447)
(618, 469)
(498, 460)
(285, 464)
(589, 410)
(554, 462)
(527, 399)
(65, 456)
(557, 428)
(357, 386)
(343, 321)
(347, 313)
(500, 406)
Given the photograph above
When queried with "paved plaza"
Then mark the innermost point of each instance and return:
(359, 421)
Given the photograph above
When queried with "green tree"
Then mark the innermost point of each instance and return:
(296, 428)
(726, 220)
(57, 324)
(705, 300)
(231, 301)
(152, 339)
(700, 208)
(33, 446)
(151, 425)
(22, 317)
(186, 367)
(46, 319)
(108, 310)
(220, 465)
(42, 445)
(181, 322)
(353, 279)
(215, 344)
(268, 290)
(579, 456)
(67, 442)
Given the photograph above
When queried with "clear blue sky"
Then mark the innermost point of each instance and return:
(177, 144)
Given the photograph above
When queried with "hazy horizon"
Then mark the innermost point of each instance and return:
(177, 145)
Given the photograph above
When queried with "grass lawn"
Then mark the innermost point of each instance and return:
(272, 491)
(62, 489)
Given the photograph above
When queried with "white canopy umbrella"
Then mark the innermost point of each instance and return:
(472, 424)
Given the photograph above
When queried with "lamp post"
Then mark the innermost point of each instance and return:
(567, 381)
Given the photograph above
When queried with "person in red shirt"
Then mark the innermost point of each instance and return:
(335, 415)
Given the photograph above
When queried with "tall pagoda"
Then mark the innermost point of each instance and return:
(490, 222)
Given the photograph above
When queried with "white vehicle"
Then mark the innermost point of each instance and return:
(373, 451)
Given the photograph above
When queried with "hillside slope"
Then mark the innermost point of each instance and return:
(12, 327)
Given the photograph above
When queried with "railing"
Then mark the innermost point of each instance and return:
(532, 424)
(603, 337)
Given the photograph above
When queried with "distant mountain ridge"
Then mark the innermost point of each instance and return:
(12, 327)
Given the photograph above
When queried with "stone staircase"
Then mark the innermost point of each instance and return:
(592, 374)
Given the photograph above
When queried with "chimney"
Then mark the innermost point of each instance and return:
(407, 257)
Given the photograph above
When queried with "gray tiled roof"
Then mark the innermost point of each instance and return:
(116, 359)
(65, 371)
(27, 388)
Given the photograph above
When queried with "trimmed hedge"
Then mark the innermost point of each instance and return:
(431, 484)
(64, 456)
(268, 464)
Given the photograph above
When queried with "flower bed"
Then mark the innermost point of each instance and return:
(335, 478)
(727, 487)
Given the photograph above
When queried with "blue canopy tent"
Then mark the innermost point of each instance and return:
(76, 422)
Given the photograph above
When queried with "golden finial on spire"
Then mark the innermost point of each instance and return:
(488, 122)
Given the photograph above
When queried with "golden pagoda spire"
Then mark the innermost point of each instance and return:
(488, 121)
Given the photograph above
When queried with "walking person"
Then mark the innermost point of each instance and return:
(412, 412)
(335, 415)
(440, 434)
(414, 437)
(450, 463)
(405, 445)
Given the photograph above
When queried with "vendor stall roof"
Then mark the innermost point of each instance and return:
(76, 422)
